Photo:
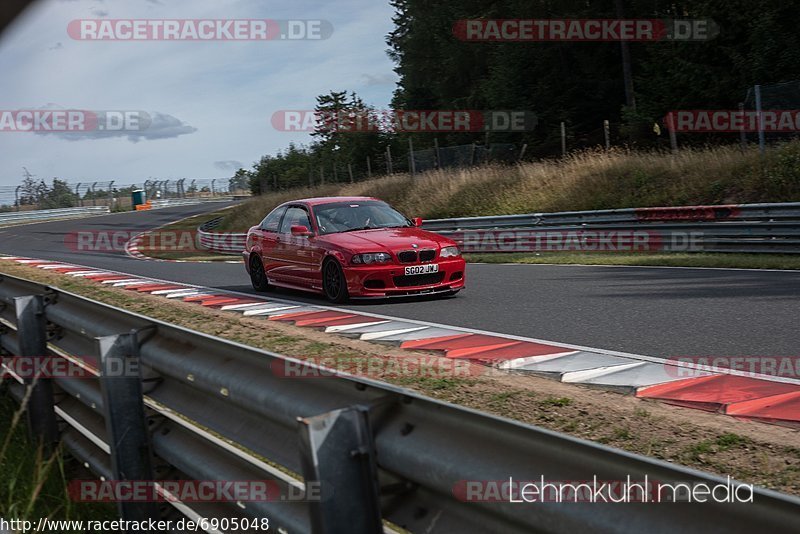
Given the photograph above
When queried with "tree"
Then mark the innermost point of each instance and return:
(240, 180)
(60, 195)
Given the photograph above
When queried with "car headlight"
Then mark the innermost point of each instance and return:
(449, 252)
(372, 257)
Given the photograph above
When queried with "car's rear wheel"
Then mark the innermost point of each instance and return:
(257, 275)
(333, 281)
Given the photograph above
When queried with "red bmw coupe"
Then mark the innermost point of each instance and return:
(350, 247)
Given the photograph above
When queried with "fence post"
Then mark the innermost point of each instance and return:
(389, 160)
(673, 135)
(16, 196)
(412, 164)
(126, 426)
(94, 195)
(437, 160)
(522, 152)
(350, 172)
(563, 139)
(32, 335)
(742, 133)
(369, 168)
(321, 175)
(472, 155)
(762, 142)
(338, 458)
(607, 133)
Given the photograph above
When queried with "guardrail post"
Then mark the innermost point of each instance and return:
(121, 385)
(338, 454)
(32, 339)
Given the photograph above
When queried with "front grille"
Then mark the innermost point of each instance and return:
(408, 256)
(427, 255)
(418, 280)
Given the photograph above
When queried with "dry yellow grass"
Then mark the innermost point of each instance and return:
(582, 181)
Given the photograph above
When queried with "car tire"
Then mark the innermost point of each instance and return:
(257, 275)
(334, 283)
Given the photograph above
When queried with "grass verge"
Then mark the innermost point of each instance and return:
(582, 181)
(762, 454)
(34, 484)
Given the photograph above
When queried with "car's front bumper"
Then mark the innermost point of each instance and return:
(365, 281)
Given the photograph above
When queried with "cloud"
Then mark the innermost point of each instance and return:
(228, 165)
(100, 13)
(134, 125)
(56, 46)
(380, 79)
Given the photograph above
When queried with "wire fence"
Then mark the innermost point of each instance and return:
(112, 193)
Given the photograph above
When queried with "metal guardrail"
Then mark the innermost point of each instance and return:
(43, 215)
(746, 228)
(171, 202)
(384, 458)
(232, 243)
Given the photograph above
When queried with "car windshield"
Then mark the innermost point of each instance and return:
(359, 215)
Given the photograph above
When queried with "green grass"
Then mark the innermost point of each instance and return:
(677, 259)
(729, 440)
(433, 384)
(556, 402)
(33, 483)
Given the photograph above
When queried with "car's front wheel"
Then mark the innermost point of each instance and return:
(257, 275)
(333, 281)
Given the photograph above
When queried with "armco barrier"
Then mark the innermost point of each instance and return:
(212, 409)
(221, 243)
(744, 228)
(44, 215)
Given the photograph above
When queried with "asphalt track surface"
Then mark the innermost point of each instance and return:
(650, 311)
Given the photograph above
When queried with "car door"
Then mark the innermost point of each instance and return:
(266, 240)
(295, 253)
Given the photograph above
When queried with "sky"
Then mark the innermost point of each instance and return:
(210, 103)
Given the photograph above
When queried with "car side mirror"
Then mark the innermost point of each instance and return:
(300, 231)
(417, 221)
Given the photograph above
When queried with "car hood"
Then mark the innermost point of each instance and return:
(393, 239)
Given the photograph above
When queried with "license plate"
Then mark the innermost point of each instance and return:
(422, 269)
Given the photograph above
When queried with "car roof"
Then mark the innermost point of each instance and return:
(317, 201)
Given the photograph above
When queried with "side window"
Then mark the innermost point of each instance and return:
(294, 217)
(271, 221)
